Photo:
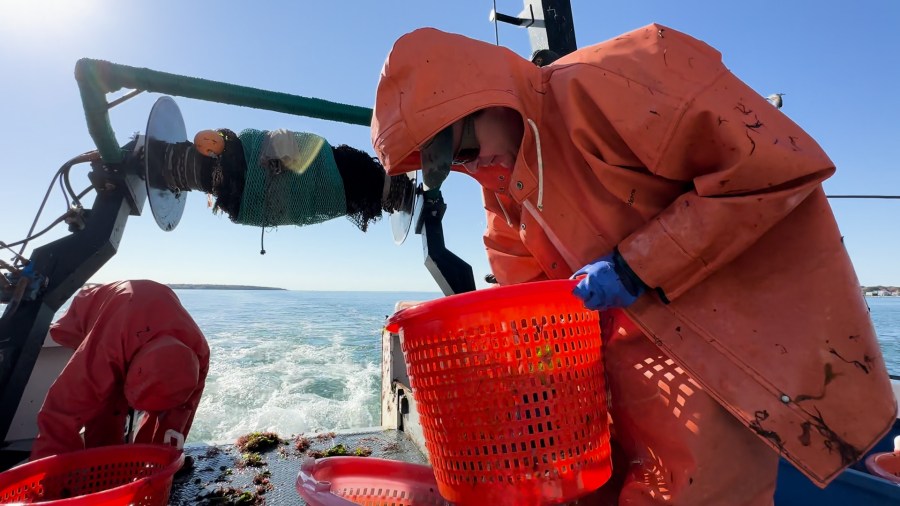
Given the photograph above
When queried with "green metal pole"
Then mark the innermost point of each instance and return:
(96, 78)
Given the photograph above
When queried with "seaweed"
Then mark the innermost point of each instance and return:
(263, 482)
(339, 450)
(258, 442)
(230, 496)
(302, 443)
(251, 459)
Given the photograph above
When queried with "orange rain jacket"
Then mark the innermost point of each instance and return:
(107, 325)
(647, 142)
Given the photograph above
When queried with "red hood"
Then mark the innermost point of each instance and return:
(443, 93)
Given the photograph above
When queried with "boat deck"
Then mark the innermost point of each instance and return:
(220, 474)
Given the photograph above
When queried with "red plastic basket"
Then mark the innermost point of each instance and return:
(885, 465)
(510, 390)
(135, 474)
(345, 481)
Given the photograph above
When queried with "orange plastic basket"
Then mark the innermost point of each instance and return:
(885, 465)
(510, 390)
(135, 474)
(345, 481)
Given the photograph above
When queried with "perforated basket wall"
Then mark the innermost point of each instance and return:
(511, 394)
(369, 481)
(380, 496)
(140, 475)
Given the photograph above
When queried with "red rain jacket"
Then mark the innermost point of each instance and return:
(647, 142)
(107, 325)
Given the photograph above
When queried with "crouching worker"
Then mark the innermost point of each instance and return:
(135, 347)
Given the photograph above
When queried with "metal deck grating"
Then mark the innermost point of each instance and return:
(216, 466)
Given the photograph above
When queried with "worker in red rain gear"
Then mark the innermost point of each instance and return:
(734, 327)
(135, 347)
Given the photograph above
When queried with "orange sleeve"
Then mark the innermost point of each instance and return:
(510, 261)
(750, 165)
(79, 395)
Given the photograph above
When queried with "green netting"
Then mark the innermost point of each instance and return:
(284, 197)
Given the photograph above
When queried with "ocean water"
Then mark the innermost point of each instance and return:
(294, 362)
(885, 313)
(290, 361)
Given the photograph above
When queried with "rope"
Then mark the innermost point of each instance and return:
(496, 30)
(185, 168)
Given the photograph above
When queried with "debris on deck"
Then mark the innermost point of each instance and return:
(255, 474)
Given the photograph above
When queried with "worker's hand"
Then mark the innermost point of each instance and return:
(607, 283)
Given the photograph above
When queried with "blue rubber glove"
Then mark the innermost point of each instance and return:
(608, 282)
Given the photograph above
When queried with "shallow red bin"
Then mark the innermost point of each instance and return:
(885, 465)
(510, 390)
(135, 474)
(369, 481)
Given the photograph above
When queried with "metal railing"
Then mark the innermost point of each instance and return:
(96, 78)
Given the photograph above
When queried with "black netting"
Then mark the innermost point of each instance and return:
(363, 179)
(228, 176)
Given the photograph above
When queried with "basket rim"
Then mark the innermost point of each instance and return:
(874, 465)
(36, 467)
(309, 486)
(438, 308)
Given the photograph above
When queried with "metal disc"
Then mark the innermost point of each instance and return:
(164, 126)
(402, 218)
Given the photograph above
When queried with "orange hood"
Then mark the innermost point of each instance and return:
(407, 116)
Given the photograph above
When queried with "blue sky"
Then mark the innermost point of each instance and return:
(836, 61)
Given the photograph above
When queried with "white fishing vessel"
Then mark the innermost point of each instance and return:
(131, 178)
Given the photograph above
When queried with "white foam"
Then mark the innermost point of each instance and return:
(279, 385)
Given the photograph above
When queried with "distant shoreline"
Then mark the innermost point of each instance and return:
(871, 291)
(200, 286)
(867, 290)
(881, 291)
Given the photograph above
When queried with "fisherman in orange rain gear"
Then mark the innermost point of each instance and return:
(135, 347)
(733, 321)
